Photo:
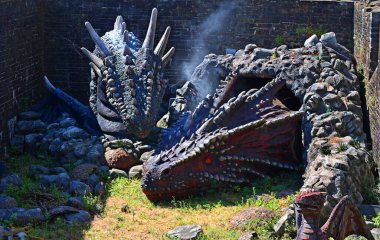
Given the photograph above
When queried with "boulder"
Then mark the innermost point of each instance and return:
(83, 171)
(135, 171)
(120, 159)
(27, 126)
(7, 202)
(10, 180)
(78, 219)
(186, 232)
(61, 181)
(37, 170)
(78, 188)
(242, 219)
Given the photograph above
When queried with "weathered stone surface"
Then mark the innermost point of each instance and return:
(78, 219)
(118, 173)
(83, 171)
(135, 171)
(61, 210)
(76, 202)
(22, 217)
(248, 236)
(10, 180)
(17, 143)
(95, 154)
(185, 232)
(29, 116)
(99, 189)
(241, 219)
(74, 132)
(26, 127)
(61, 181)
(370, 211)
(120, 159)
(311, 41)
(78, 188)
(37, 170)
(7, 202)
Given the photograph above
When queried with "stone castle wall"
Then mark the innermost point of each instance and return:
(21, 59)
(366, 35)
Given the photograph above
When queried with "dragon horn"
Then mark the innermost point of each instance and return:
(98, 41)
(168, 56)
(149, 39)
(118, 23)
(48, 84)
(123, 27)
(98, 61)
(160, 49)
(96, 69)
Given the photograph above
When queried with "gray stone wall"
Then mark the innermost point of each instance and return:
(21, 59)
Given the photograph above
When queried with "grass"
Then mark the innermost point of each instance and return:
(144, 220)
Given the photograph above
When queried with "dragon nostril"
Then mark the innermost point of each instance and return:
(166, 172)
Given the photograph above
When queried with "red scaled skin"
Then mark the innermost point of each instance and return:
(344, 220)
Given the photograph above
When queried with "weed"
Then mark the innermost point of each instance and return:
(342, 147)
(325, 150)
(356, 143)
(309, 31)
(280, 40)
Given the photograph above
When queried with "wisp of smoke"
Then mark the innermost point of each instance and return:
(212, 25)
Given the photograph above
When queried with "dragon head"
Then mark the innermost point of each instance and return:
(244, 138)
(127, 78)
(310, 201)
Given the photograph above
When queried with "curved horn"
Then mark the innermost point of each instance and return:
(160, 49)
(48, 84)
(168, 56)
(96, 69)
(149, 39)
(98, 61)
(98, 41)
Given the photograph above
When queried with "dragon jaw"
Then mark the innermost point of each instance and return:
(127, 79)
(224, 151)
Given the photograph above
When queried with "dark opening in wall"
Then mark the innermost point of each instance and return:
(285, 95)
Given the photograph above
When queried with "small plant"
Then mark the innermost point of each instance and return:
(280, 40)
(376, 220)
(309, 31)
(328, 110)
(356, 143)
(342, 147)
(326, 150)
(122, 144)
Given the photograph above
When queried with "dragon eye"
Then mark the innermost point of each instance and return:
(209, 160)
(166, 172)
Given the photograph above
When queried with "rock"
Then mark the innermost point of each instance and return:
(311, 41)
(78, 188)
(10, 180)
(29, 116)
(146, 155)
(74, 132)
(78, 219)
(136, 171)
(242, 219)
(248, 236)
(376, 233)
(26, 127)
(96, 154)
(61, 181)
(17, 143)
(61, 210)
(83, 171)
(22, 217)
(76, 202)
(329, 39)
(37, 170)
(104, 170)
(58, 170)
(370, 211)
(7, 202)
(67, 122)
(185, 232)
(117, 173)
(279, 228)
(120, 159)
(93, 180)
(371, 225)
(33, 142)
(99, 189)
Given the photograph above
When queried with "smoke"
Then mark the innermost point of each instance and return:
(211, 26)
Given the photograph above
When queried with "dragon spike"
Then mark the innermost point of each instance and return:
(160, 49)
(127, 50)
(118, 23)
(126, 36)
(98, 61)
(97, 40)
(168, 56)
(149, 39)
(96, 69)
(123, 28)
